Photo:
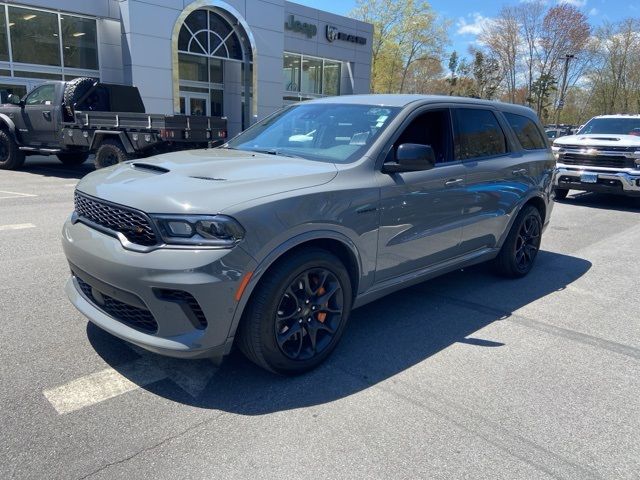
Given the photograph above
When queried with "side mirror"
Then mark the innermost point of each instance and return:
(411, 157)
(14, 99)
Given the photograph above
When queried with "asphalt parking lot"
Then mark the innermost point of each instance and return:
(465, 376)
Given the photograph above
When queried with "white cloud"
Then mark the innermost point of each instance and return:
(593, 12)
(575, 3)
(474, 26)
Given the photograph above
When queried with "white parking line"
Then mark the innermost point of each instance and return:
(7, 194)
(100, 386)
(17, 226)
(192, 376)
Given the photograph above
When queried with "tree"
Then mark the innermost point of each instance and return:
(502, 39)
(565, 31)
(406, 33)
(529, 16)
(486, 74)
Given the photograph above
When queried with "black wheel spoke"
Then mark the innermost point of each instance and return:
(309, 314)
(289, 333)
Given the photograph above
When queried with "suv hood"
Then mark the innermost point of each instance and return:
(599, 139)
(203, 181)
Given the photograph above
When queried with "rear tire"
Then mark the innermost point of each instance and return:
(111, 152)
(11, 157)
(560, 193)
(297, 314)
(520, 249)
(73, 158)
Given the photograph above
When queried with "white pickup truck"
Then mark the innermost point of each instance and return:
(604, 156)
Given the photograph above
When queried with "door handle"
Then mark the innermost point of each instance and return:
(46, 114)
(454, 182)
(517, 173)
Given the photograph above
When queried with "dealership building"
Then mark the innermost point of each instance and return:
(200, 57)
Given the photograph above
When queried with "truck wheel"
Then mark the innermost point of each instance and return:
(297, 314)
(561, 193)
(111, 152)
(74, 91)
(521, 247)
(11, 157)
(73, 158)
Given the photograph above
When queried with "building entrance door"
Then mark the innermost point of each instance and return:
(192, 103)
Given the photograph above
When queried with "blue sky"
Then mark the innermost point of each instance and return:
(467, 17)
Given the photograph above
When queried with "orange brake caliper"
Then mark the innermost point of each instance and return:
(322, 316)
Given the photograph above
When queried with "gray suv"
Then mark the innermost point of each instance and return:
(270, 241)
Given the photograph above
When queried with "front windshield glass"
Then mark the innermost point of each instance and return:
(621, 126)
(338, 133)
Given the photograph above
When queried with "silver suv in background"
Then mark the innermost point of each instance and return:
(603, 157)
(272, 240)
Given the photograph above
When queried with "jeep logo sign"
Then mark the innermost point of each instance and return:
(309, 29)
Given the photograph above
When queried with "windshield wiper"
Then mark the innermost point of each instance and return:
(273, 151)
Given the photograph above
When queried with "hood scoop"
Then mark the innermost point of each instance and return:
(606, 139)
(150, 167)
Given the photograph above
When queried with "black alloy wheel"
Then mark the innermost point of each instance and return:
(520, 248)
(298, 312)
(11, 157)
(309, 314)
(528, 242)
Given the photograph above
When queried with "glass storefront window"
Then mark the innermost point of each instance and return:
(193, 67)
(311, 81)
(215, 70)
(291, 72)
(331, 78)
(4, 45)
(79, 41)
(310, 76)
(34, 36)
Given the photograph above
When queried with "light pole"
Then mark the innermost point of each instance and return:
(563, 87)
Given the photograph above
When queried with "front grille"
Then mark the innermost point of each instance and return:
(190, 305)
(132, 224)
(596, 161)
(600, 148)
(134, 317)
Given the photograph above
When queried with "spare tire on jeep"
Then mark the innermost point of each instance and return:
(74, 91)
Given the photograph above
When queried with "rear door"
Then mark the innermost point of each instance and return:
(496, 171)
(39, 115)
(420, 211)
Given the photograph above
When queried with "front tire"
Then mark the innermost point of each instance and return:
(110, 152)
(560, 193)
(73, 158)
(520, 249)
(11, 157)
(297, 314)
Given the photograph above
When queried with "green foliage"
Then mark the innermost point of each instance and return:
(407, 33)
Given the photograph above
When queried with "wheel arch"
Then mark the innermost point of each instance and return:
(101, 135)
(7, 124)
(331, 241)
(536, 200)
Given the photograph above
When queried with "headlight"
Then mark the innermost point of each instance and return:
(199, 230)
(556, 151)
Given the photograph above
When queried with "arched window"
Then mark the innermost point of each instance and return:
(206, 33)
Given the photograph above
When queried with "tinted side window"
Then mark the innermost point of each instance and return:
(477, 134)
(41, 96)
(431, 128)
(528, 134)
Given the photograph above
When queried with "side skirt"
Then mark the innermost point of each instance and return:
(418, 276)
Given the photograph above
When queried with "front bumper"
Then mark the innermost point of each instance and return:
(104, 275)
(609, 181)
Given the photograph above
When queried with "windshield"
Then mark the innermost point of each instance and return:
(338, 133)
(621, 126)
